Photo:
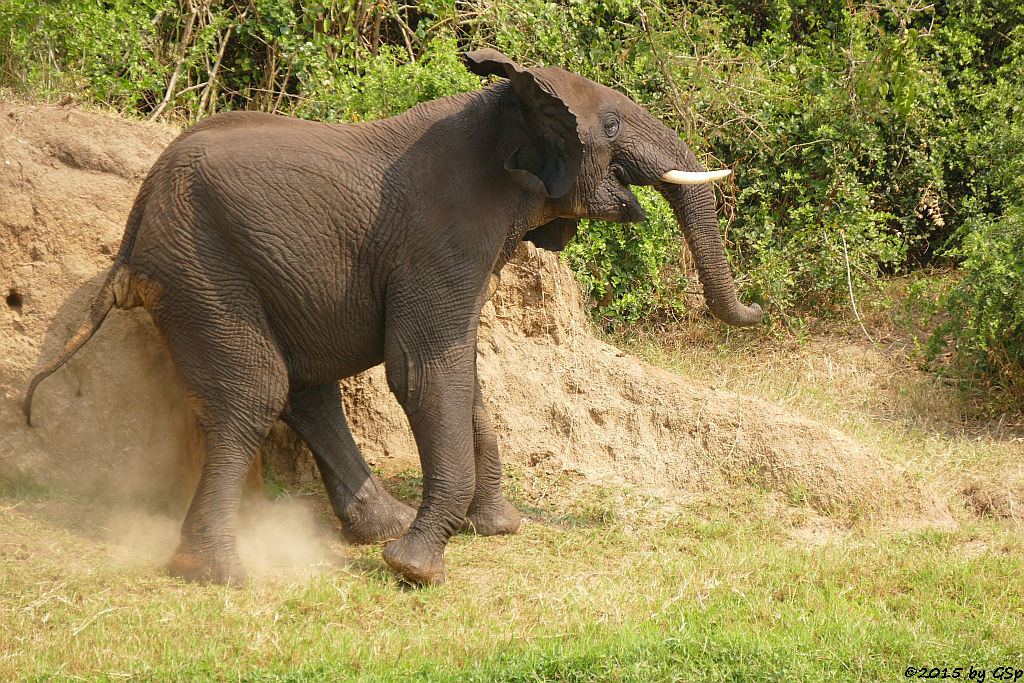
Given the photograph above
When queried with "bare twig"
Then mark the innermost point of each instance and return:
(211, 83)
(375, 40)
(284, 86)
(849, 284)
(270, 80)
(191, 88)
(186, 40)
(408, 35)
(675, 99)
(805, 144)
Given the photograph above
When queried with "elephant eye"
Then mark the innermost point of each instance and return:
(611, 125)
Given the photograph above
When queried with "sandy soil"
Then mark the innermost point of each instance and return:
(114, 420)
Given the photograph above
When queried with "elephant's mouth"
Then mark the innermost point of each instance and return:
(615, 201)
(630, 209)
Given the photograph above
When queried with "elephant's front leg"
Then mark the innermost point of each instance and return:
(489, 513)
(436, 390)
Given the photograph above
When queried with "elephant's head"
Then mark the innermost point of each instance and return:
(581, 145)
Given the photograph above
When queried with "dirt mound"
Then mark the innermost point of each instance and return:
(992, 500)
(561, 400)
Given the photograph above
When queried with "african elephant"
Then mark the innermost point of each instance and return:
(277, 256)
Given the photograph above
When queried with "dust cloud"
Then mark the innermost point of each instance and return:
(285, 536)
(278, 539)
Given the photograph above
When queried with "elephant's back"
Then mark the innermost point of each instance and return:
(251, 203)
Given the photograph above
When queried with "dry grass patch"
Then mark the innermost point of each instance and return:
(874, 391)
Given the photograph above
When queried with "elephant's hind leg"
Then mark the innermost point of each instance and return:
(367, 512)
(238, 384)
(489, 513)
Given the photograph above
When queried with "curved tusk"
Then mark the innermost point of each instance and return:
(690, 178)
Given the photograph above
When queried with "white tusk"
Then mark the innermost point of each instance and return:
(690, 178)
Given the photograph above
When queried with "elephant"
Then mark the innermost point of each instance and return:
(277, 256)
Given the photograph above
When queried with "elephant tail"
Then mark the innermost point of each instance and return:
(101, 305)
(117, 290)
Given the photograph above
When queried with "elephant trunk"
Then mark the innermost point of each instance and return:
(694, 208)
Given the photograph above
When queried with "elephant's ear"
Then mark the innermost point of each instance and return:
(489, 62)
(549, 157)
(553, 235)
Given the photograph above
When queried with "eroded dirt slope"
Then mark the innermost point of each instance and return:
(561, 400)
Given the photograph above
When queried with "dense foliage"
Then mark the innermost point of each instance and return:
(867, 139)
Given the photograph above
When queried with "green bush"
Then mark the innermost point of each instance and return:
(984, 329)
(632, 271)
(985, 323)
(390, 85)
(107, 52)
(826, 144)
(328, 59)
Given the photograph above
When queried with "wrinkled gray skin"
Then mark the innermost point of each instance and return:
(278, 256)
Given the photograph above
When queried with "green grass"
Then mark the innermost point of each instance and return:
(710, 591)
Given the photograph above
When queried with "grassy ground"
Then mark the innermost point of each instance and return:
(711, 591)
(601, 584)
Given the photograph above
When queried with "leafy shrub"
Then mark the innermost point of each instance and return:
(984, 329)
(270, 55)
(985, 323)
(632, 270)
(390, 85)
(108, 52)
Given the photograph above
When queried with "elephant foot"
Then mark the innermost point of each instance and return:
(416, 561)
(204, 568)
(491, 520)
(375, 518)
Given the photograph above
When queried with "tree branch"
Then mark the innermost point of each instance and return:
(186, 40)
(210, 84)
